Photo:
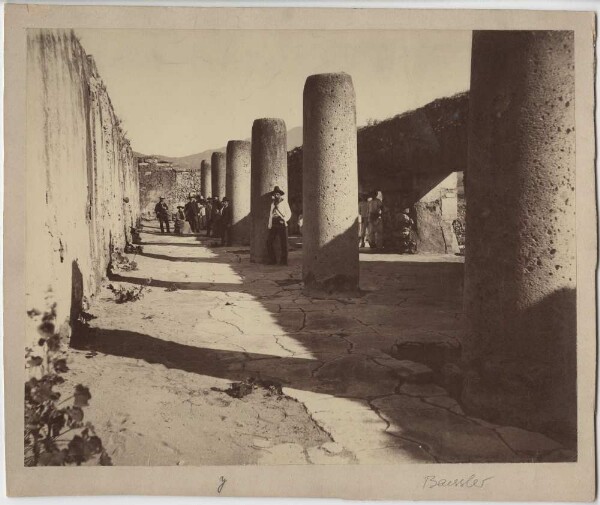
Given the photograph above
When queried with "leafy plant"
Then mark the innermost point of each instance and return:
(133, 249)
(118, 261)
(48, 419)
(124, 295)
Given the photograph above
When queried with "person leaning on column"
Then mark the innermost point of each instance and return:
(279, 216)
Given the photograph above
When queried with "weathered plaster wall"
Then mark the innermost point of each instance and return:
(159, 178)
(82, 185)
(408, 158)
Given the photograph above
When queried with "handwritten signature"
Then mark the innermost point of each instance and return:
(222, 481)
(432, 481)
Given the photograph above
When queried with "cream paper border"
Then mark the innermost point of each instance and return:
(542, 482)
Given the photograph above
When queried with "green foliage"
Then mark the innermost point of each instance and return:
(48, 419)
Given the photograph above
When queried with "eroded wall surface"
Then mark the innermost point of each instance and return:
(82, 184)
(158, 178)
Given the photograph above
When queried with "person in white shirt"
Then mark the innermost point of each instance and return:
(279, 216)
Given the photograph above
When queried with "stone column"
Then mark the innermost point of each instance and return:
(238, 190)
(218, 163)
(205, 179)
(520, 339)
(330, 185)
(269, 169)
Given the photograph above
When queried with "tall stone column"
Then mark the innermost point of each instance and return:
(330, 185)
(520, 308)
(238, 190)
(218, 163)
(205, 179)
(269, 169)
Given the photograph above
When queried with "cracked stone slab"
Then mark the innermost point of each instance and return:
(288, 371)
(318, 343)
(527, 442)
(451, 438)
(307, 306)
(371, 314)
(445, 402)
(330, 323)
(410, 371)
(357, 376)
(422, 390)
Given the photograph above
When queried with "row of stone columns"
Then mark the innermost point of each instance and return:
(520, 257)
(249, 171)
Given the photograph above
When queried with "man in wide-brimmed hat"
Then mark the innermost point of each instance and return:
(162, 214)
(226, 221)
(191, 213)
(216, 217)
(279, 216)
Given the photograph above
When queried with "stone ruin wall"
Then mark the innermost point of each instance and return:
(159, 178)
(411, 158)
(82, 184)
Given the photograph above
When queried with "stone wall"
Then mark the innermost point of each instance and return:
(159, 178)
(82, 185)
(409, 158)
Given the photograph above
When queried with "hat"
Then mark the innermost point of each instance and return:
(180, 207)
(277, 189)
(161, 198)
(225, 199)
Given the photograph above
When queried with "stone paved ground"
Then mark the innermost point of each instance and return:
(158, 367)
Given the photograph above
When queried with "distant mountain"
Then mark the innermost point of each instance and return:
(294, 139)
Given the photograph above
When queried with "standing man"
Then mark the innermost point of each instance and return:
(191, 213)
(162, 214)
(216, 217)
(363, 219)
(375, 220)
(278, 226)
(201, 213)
(208, 208)
(226, 220)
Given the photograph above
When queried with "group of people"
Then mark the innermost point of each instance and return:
(211, 214)
(370, 219)
(214, 216)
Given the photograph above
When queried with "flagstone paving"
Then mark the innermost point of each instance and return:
(159, 367)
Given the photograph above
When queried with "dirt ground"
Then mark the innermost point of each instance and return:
(159, 368)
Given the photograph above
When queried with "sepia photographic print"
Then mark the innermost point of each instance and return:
(300, 252)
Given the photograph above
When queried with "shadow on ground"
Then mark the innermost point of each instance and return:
(334, 348)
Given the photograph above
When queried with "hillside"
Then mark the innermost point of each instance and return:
(294, 139)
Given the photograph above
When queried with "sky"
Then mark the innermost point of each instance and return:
(180, 92)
